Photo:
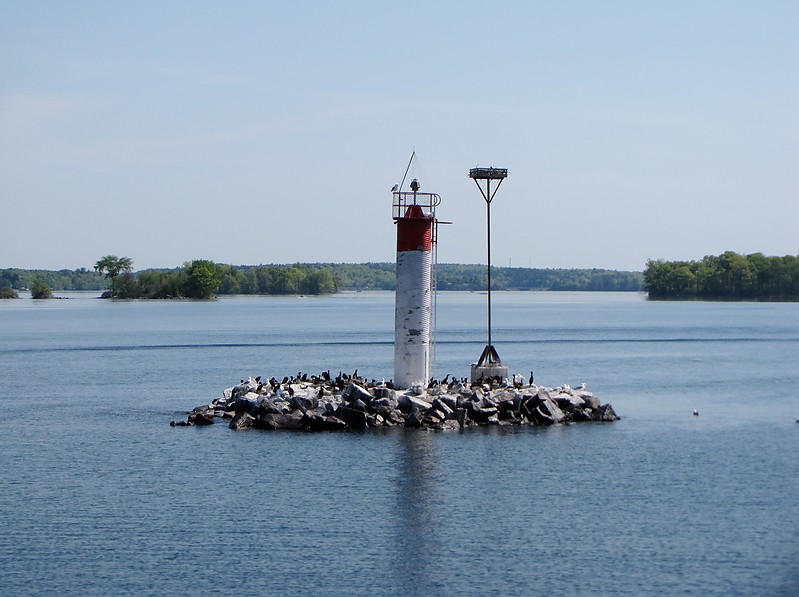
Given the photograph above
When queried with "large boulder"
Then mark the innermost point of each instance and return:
(528, 405)
(395, 417)
(303, 403)
(506, 401)
(569, 402)
(357, 404)
(242, 420)
(355, 419)
(385, 393)
(267, 406)
(442, 407)
(484, 414)
(451, 400)
(383, 405)
(407, 402)
(590, 401)
(548, 413)
(244, 388)
(318, 422)
(509, 416)
(270, 421)
(201, 418)
(356, 392)
(606, 413)
(414, 418)
(460, 415)
(243, 404)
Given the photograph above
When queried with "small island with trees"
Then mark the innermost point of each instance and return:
(728, 276)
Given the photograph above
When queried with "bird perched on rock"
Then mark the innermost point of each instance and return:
(696, 413)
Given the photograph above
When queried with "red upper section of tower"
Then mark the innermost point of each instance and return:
(414, 230)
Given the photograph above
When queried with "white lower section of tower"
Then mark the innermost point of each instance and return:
(412, 313)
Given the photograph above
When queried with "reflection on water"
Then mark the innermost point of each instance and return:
(415, 525)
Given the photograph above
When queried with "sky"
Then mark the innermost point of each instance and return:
(258, 132)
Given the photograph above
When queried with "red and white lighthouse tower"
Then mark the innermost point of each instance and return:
(415, 216)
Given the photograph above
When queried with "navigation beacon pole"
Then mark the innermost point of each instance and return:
(415, 216)
(489, 364)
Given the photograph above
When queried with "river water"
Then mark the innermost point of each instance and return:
(100, 496)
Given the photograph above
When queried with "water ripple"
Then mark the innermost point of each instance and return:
(215, 345)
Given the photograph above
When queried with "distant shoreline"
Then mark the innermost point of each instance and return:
(252, 279)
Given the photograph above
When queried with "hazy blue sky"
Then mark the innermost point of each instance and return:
(266, 132)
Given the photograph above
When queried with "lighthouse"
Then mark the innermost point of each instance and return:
(415, 216)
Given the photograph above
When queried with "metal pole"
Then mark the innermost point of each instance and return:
(488, 220)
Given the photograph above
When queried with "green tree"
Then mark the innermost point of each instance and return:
(126, 286)
(112, 266)
(318, 281)
(157, 284)
(8, 293)
(229, 279)
(202, 280)
(40, 290)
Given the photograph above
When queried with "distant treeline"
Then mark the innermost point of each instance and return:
(474, 277)
(727, 276)
(323, 278)
(64, 279)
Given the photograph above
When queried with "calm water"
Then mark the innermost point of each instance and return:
(99, 496)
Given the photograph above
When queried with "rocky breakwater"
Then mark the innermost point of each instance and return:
(321, 403)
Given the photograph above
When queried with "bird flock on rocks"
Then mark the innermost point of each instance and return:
(351, 401)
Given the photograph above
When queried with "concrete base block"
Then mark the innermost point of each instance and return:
(488, 371)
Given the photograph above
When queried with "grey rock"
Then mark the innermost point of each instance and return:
(509, 416)
(548, 413)
(356, 392)
(414, 418)
(591, 402)
(528, 406)
(568, 402)
(267, 406)
(408, 402)
(441, 406)
(242, 404)
(606, 413)
(484, 414)
(357, 404)
(383, 404)
(395, 417)
(355, 419)
(303, 403)
(450, 400)
(317, 422)
(242, 420)
(201, 418)
(385, 393)
(280, 421)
